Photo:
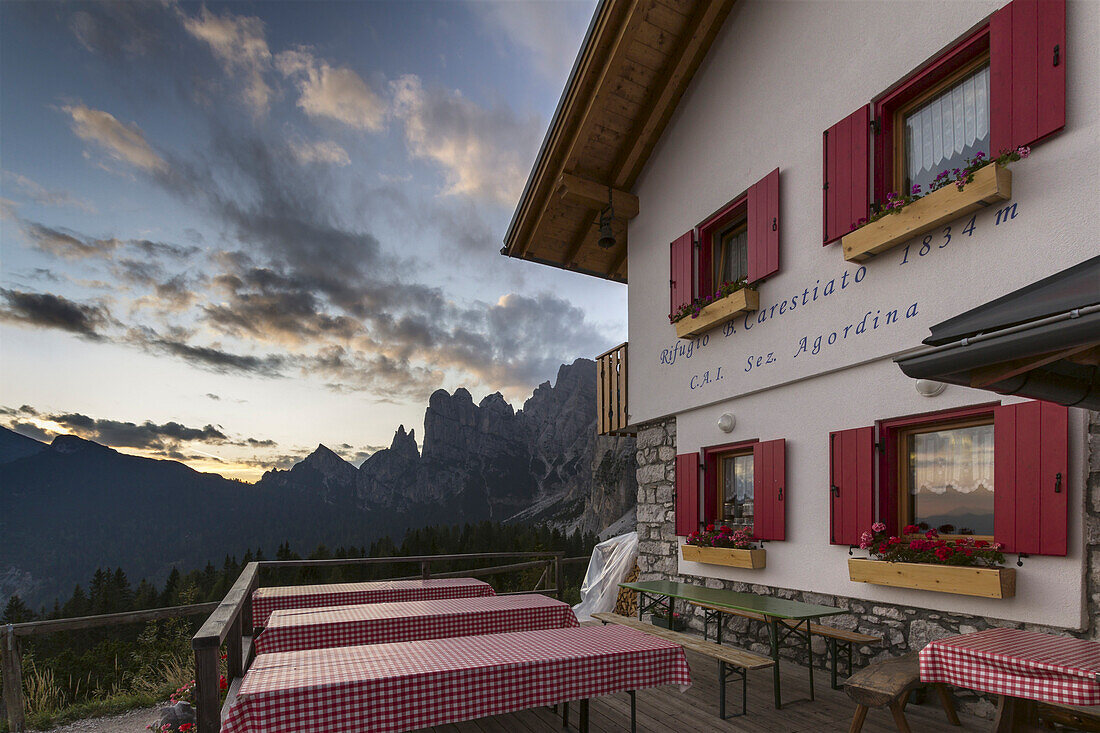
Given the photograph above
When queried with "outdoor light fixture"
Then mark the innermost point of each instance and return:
(726, 422)
(928, 388)
(607, 237)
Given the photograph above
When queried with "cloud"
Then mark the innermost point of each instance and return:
(45, 310)
(124, 143)
(41, 195)
(66, 243)
(239, 43)
(210, 357)
(118, 30)
(550, 32)
(337, 93)
(324, 151)
(484, 153)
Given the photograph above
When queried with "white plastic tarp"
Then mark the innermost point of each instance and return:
(612, 560)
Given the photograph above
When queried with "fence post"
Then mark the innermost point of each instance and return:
(425, 571)
(557, 577)
(12, 673)
(207, 690)
(234, 660)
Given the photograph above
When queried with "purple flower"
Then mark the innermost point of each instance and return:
(916, 189)
(890, 196)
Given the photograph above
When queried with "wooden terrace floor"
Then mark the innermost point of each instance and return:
(666, 709)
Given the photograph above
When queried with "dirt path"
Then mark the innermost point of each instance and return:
(131, 722)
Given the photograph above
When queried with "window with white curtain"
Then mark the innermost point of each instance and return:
(947, 129)
(949, 479)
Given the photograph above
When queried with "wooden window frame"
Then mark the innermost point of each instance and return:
(923, 83)
(893, 460)
(712, 456)
(733, 213)
(718, 265)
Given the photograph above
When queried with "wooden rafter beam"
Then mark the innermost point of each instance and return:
(695, 42)
(593, 195)
(577, 138)
(986, 376)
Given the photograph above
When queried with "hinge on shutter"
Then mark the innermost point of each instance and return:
(876, 126)
(1020, 559)
(881, 445)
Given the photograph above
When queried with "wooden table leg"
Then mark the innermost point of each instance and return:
(773, 633)
(584, 716)
(948, 704)
(1016, 715)
(858, 718)
(899, 717)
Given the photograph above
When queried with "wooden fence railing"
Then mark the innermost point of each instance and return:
(11, 670)
(230, 623)
(612, 417)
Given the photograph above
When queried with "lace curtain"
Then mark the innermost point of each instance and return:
(948, 129)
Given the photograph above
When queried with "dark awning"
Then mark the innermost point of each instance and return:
(1041, 341)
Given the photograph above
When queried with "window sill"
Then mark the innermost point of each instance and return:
(991, 184)
(967, 581)
(751, 559)
(741, 301)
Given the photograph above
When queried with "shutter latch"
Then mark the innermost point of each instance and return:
(775, 223)
(1056, 53)
(835, 490)
(781, 493)
(876, 127)
(1058, 483)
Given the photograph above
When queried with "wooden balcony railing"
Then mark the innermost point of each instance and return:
(611, 403)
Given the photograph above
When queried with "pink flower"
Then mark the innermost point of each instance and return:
(1024, 151)
(878, 527)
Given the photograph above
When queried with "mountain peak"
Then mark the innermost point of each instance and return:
(72, 444)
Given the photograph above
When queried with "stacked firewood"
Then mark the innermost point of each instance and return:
(626, 603)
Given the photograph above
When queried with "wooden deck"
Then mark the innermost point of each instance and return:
(667, 709)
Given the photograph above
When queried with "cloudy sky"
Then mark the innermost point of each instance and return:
(231, 231)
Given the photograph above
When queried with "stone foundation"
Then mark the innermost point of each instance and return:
(902, 628)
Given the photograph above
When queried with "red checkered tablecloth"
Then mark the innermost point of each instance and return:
(414, 684)
(382, 623)
(1027, 664)
(266, 600)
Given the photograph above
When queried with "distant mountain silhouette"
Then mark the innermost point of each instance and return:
(74, 505)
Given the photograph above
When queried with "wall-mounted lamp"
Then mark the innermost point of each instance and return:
(607, 237)
(726, 422)
(928, 388)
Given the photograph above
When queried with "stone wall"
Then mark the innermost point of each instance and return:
(902, 628)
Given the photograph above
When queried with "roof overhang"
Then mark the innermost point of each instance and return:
(634, 65)
(1042, 341)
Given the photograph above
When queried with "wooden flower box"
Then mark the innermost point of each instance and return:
(991, 184)
(967, 581)
(752, 559)
(717, 313)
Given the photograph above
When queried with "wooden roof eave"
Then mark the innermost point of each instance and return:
(606, 63)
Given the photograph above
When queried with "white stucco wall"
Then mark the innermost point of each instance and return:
(778, 75)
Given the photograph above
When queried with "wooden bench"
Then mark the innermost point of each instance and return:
(733, 663)
(1075, 717)
(888, 684)
(836, 640)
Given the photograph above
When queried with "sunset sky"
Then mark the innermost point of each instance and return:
(231, 231)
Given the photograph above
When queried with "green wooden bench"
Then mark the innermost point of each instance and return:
(733, 663)
(836, 640)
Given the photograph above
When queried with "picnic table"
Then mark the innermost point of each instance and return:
(380, 623)
(793, 617)
(415, 684)
(267, 600)
(1024, 667)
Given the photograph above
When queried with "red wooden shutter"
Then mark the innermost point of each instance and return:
(847, 173)
(769, 479)
(763, 233)
(1031, 477)
(680, 272)
(1027, 73)
(687, 493)
(710, 488)
(851, 484)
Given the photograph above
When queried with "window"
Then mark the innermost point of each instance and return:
(731, 253)
(1000, 87)
(944, 127)
(738, 242)
(735, 489)
(946, 478)
(987, 471)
